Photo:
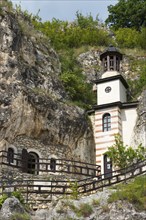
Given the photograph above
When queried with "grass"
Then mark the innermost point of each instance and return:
(136, 52)
(95, 202)
(134, 192)
(84, 209)
(17, 216)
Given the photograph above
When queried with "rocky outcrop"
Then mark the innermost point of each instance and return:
(12, 209)
(33, 102)
(91, 64)
(92, 69)
(139, 133)
(93, 207)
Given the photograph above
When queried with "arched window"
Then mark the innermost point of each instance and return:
(53, 164)
(106, 122)
(33, 163)
(10, 155)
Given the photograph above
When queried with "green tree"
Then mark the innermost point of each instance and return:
(123, 156)
(127, 37)
(127, 13)
(86, 21)
(137, 86)
(83, 31)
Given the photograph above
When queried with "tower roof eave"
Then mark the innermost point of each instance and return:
(125, 105)
(112, 78)
(110, 51)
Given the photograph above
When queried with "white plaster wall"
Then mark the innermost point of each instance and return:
(128, 117)
(123, 93)
(117, 93)
(103, 140)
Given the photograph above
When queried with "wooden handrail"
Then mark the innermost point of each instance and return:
(59, 187)
(62, 165)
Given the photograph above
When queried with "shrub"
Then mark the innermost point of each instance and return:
(2, 199)
(84, 209)
(16, 194)
(79, 91)
(105, 208)
(95, 202)
(124, 156)
(18, 216)
(142, 37)
(83, 31)
(19, 196)
(127, 37)
(134, 192)
(74, 190)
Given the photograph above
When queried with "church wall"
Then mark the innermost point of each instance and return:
(129, 117)
(105, 139)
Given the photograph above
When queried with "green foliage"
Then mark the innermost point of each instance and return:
(105, 208)
(127, 14)
(142, 38)
(2, 199)
(131, 38)
(74, 189)
(84, 209)
(127, 37)
(86, 22)
(95, 202)
(83, 31)
(134, 192)
(16, 194)
(137, 86)
(18, 216)
(74, 81)
(123, 156)
(28, 16)
(26, 29)
(19, 196)
(5, 4)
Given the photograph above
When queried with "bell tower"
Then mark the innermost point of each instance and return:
(112, 87)
(112, 113)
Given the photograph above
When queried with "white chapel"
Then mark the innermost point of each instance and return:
(113, 113)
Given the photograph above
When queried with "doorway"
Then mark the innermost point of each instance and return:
(107, 166)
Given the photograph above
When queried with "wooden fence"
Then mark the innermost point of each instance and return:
(45, 165)
(48, 188)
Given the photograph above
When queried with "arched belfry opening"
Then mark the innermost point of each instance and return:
(110, 59)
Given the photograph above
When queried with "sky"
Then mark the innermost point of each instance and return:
(66, 9)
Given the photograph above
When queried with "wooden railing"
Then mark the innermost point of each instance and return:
(44, 166)
(48, 188)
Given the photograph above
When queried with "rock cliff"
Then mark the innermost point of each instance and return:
(33, 102)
